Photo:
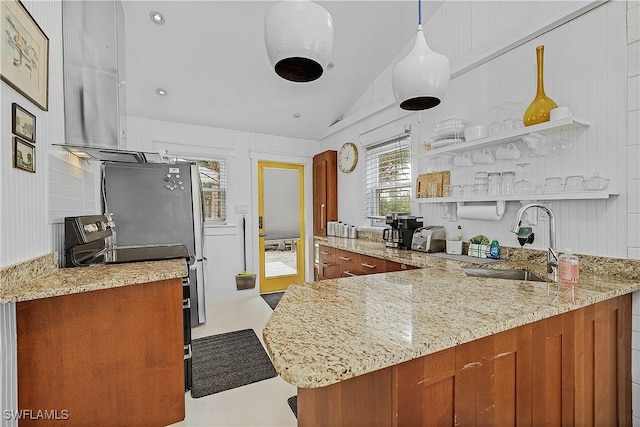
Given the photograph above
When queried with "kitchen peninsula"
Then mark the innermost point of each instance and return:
(99, 345)
(432, 346)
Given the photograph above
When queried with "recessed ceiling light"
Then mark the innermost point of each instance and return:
(161, 92)
(297, 115)
(156, 17)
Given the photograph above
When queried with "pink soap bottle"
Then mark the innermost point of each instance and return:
(568, 267)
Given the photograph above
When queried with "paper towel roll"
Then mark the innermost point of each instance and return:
(491, 212)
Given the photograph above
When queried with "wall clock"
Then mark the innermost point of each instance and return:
(348, 157)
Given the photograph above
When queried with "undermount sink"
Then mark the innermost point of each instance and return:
(502, 274)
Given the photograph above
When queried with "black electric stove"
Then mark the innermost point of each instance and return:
(86, 240)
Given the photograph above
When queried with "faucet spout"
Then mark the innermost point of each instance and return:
(552, 253)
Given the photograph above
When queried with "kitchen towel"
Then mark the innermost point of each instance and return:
(225, 361)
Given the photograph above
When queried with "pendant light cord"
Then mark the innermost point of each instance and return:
(419, 12)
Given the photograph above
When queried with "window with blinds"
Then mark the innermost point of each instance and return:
(213, 178)
(388, 178)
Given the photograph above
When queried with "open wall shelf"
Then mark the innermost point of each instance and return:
(578, 195)
(513, 135)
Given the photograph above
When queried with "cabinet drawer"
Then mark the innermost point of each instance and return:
(327, 254)
(347, 261)
(396, 266)
(370, 265)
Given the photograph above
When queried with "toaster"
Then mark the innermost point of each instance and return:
(431, 238)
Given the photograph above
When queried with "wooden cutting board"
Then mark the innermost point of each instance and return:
(423, 181)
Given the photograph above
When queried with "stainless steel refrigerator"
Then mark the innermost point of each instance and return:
(159, 203)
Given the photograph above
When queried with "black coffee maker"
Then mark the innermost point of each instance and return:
(400, 235)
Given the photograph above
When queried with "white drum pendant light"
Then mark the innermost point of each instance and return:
(420, 80)
(299, 39)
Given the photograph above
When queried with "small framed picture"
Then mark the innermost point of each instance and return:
(24, 155)
(23, 123)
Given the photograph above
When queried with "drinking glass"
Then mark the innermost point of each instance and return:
(495, 128)
(508, 182)
(523, 186)
(495, 183)
(516, 114)
(506, 121)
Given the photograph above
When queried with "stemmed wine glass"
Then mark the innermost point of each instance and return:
(516, 115)
(495, 128)
(507, 120)
(523, 186)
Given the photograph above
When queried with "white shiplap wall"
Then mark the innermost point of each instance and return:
(585, 60)
(633, 147)
(223, 244)
(633, 120)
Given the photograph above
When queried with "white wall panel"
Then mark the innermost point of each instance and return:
(8, 355)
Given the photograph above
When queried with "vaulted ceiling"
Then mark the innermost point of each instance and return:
(210, 57)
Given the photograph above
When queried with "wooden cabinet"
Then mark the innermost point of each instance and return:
(327, 268)
(325, 191)
(335, 263)
(107, 357)
(569, 369)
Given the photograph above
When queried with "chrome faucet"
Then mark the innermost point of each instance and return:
(552, 253)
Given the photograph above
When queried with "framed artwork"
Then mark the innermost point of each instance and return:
(24, 57)
(24, 155)
(23, 123)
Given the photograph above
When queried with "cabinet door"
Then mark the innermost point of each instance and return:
(325, 191)
(370, 265)
(319, 197)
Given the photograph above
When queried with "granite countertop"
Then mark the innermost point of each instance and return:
(329, 331)
(41, 278)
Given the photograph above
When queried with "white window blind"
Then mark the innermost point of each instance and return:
(388, 178)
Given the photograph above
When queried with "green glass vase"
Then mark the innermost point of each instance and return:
(538, 110)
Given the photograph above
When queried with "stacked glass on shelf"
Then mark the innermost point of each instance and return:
(502, 184)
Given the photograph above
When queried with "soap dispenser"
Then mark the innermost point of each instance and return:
(568, 267)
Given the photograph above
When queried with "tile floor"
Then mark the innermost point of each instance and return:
(260, 404)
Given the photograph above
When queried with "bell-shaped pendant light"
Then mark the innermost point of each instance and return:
(299, 39)
(420, 80)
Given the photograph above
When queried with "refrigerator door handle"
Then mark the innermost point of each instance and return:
(192, 261)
